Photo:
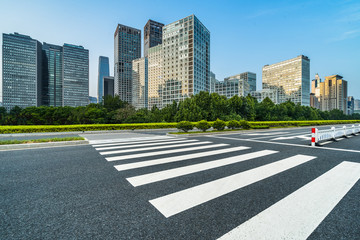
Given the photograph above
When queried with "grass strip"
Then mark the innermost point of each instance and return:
(41, 140)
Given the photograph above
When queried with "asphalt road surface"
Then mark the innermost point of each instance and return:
(268, 184)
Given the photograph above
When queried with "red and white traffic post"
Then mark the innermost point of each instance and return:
(313, 136)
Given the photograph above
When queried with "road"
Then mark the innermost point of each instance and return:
(264, 184)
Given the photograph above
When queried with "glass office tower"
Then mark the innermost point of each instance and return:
(127, 47)
(76, 75)
(291, 78)
(186, 59)
(21, 71)
(52, 81)
(155, 80)
(140, 83)
(104, 71)
(249, 77)
(152, 35)
(108, 86)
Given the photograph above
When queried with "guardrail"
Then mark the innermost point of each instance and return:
(332, 134)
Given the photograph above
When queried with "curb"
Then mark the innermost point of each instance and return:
(41, 145)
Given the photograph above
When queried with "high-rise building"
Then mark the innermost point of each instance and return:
(93, 99)
(108, 86)
(357, 106)
(291, 78)
(152, 35)
(232, 87)
(250, 77)
(315, 92)
(260, 95)
(333, 94)
(76, 75)
(21, 60)
(155, 79)
(52, 77)
(127, 47)
(103, 71)
(140, 83)
(350, 105)
(186, 59)
(213, 81)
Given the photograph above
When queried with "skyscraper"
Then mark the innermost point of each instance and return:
(52, 78)
(108, 86)
(333, 94)
(21, 71)
(76, 75)
(232, 87)
(140, 83)
(155, 79)
(103, 71)
(152, 35)
(291, 78)
(127, 47)
(186, 59)
(315, 92)
(249, 77)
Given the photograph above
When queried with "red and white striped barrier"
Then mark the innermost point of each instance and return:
(333, 133)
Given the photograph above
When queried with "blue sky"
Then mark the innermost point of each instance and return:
(245, 35)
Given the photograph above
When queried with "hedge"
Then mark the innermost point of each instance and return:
(132, 126)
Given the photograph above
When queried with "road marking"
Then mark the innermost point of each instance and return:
(181, 171)
(327, 142)
(148, 154)
(146, 144)
(144, 141)
(264, 134)
(299, 214)
(285, 135)
(126, 139)
(291, 137)
(177, 202)
(141, 164)
(173, 145)
(287, 144)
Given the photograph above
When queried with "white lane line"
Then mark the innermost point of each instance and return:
(181, 171)
(126, 139)
(285, 135)
(135, 142)
(265, 134)
(144, 145)
(324, 143)
(141, 164)
(286, 144)
(299, 214)
(173, 145)
(148, 154)
(339, 139)
(177, 202)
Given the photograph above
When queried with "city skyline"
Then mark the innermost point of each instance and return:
(308, 33)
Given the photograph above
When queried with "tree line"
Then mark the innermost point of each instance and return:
(202, 106)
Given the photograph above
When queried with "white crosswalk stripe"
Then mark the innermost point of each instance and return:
(298, 215)
(121, 143)
(178, 150)
(170, 145)
(176, 172)
(148, 163)
(136, 144)
(127, 139)
(287, 218)
(177, 202)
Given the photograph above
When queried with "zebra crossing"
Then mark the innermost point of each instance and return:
(304, 209)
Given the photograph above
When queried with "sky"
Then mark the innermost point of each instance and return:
(244, 35)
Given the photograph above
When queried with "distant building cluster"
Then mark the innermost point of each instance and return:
(175, 65)
(36, 74)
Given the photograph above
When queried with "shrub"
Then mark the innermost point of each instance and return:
(185, 126)
(260, 127)
(233, 124)
(219, 124)
(244, 124)
(203, 125)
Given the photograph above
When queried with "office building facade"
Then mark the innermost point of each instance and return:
(22, 59)
(140, 83)
(315, 92)
(155, 79)
(52, 77)
(186, 59)
(250, 77)
(260, 95)
(291, 78)
(152, 35)
(350, 105)
(127, 47)
(108, 86)
(232, 87)
(333, 94)
(76, 75)
(103, 71)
